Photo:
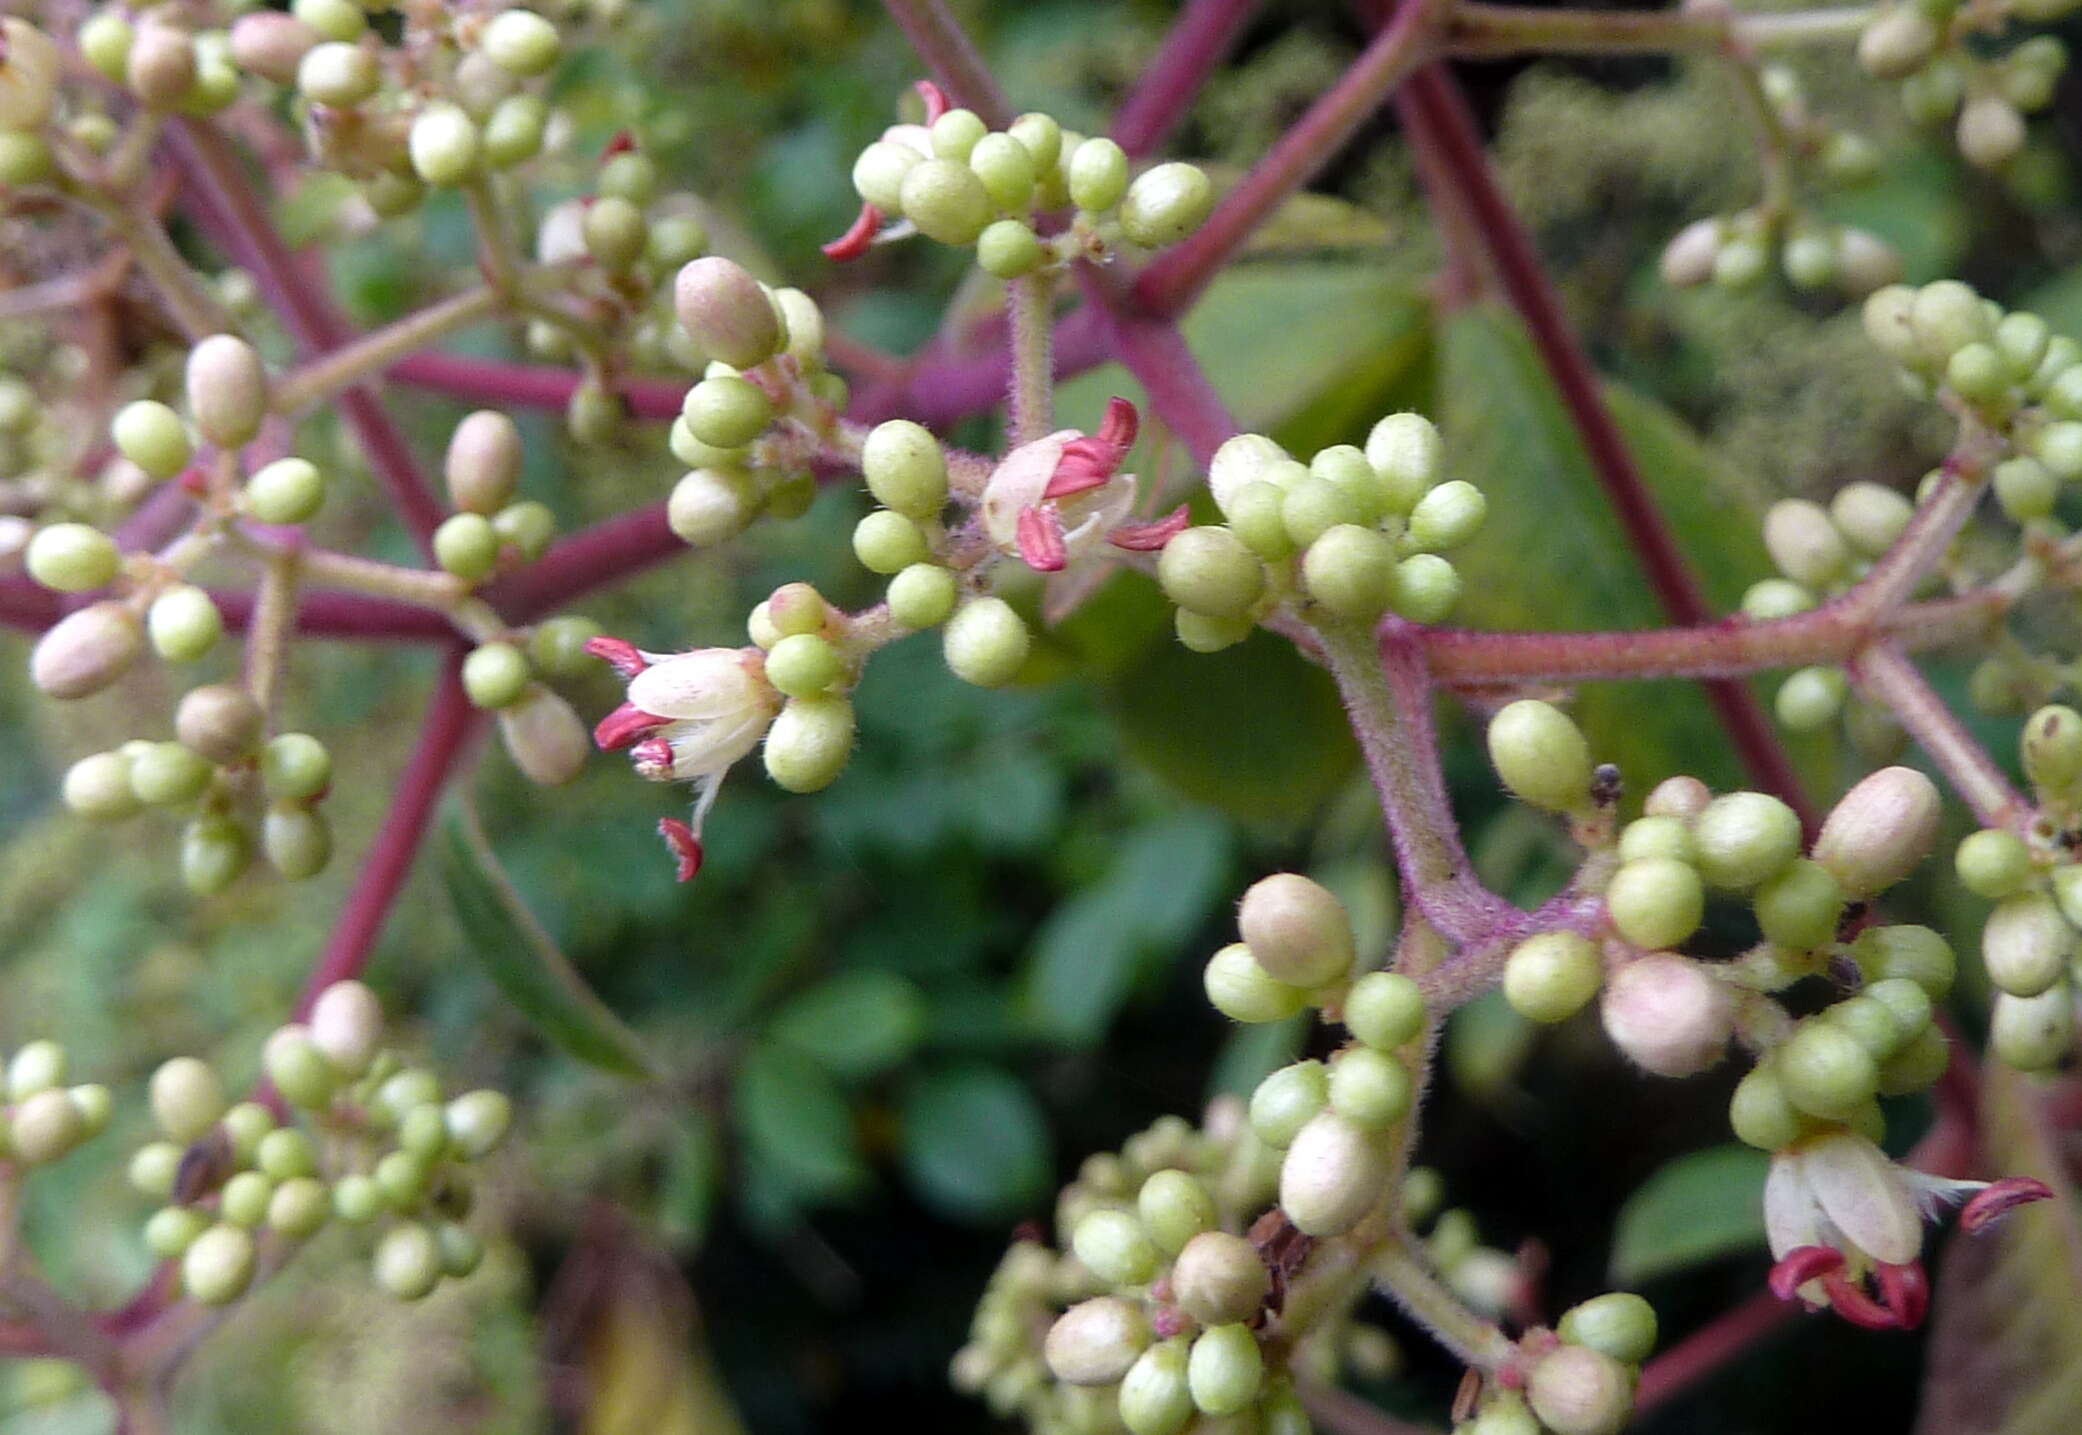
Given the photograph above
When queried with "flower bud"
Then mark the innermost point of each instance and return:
(483, 463)
(710, 506)
(1947, 316)
(1098, 174)
(1211, 572)
(217, 1265)
(1655, 901)
(1993, 863)
(45, 1126)
(1991, 131)
(1333, 1174)
(809, 743)
(1579, 1391)
(346, 1025)
(1551, 976)
(1879, 831)
(161, 65)
(166, 774)
(1760, 1114)
(1914, 953)
(227, 390)
(544, 737)
(905, 469)
(1241, 990)
(296, 765)
(467, 545)
(521, 42)
(878, 174)
(2052, 749)
(1384, 1010)
(408, 1261)
(1667, 1014)
(1825, 1071)
(86, 651)
(271, 45)
(221, 722)
(1658, 836)
(1810, 698)
(1115, 1248)
(803, 665)
(1426, 588)
(1447, 517)
(1175, 1208)
(1297, 931)
(922, 596)
(495, 675)
(1799, 908)
(1094, 1342)
(338, 74)
(1804, 544)
(1746, 837)
(1864, 261)
(1687, 259)
(1683, 798)
(297, 842)
(98, 787)
(1902, 39)
(299, 1207)
(986, 642)
(184, 624)
(946, 200)
(1287, 1100)
(444, 144)
(2033, 1033)
(1165, 204)
(1871, 516)
(886, 542)
(289, 490)
(1225, 1370)
(2026, 944)
(1240, 461)
(186, 1098)
(152, 436)
(1371, 1089)
(1540, 755)
(727, 412)
(1310, 506)
(72, 557)
(1351, 571)
(1155, 1398)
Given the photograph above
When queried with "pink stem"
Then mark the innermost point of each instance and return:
(1157, 355)
(1432, 104)
(540, 386)
(591, 558)
(1200, 39)
(1709, 1348)
(952, 57)
(1883, 674)
(225, 205)
(450, 721)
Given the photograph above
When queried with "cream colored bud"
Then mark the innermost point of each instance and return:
(1296, 930)
(544, 737)
(1094, 1343)
(86, 651)
(271, 45)
(1332, 1175)
(1880, 830)
(1667, 1014)
(162, 64)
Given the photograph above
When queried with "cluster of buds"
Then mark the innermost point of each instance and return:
(45, 1119)
(492, 530)
(359, 1138)
(1350, 535)
(1924, 44)
(960, 183)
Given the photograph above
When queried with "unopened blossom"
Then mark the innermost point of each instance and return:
(870, 224)
(1050, 500)
(688, 717)
(1837, 1210)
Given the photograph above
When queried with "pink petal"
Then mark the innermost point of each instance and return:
(1077, 472)
(1118, 429)
(2000, 1197)
(1849, 1300)
(625, 725)
(1906, 1291)
(1801, 1266)
(1041, 540)
(622, 656)
(855, 241)
(1149, 537)
(683, 844)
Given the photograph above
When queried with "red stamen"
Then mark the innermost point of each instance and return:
(935, 99)
(1149, 537)
(1999, 1197)
(1849, 1300)
(618, 654)
(1120, 425)
(652, 758)
(625, 725)
(1802, 1265)
(622, 143)
(1906, 1291)
(1076, 472)
(855, 241)
(194, 482)
(1041, 540)
(683, 844)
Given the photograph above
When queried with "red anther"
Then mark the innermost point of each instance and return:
(1077, 471)
(622, 143)
(1149, 537)
(194, 482)
(683, 844)
(1119, 427)
(855, 241)
(935, 99)
(618, 654)
(1849, 1300)
(1801, 1265)
(1168, 1321)
(1906, 1291)
(652, 758)
(1999, 1197)
(625, 725)
(1041, 540)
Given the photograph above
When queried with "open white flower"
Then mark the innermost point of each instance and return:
(1050, 500)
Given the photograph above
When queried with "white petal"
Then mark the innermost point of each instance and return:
(916, 137)
(707, 747)
(1866, 1196)
(706, 683)
(1791, 1217)
(1019, 482)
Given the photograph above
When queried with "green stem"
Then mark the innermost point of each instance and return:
(1412, 1284)
(377, 350)
(502, 263)
(274, 618)
(1030, 301)
(194, 308)
(1482, 31)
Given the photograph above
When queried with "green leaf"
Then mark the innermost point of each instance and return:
(1554, 556)
(795, 1122)
(2005, 1352)
(521, 959)
(855, 1024)
(975, 1143)
(1697, 1208)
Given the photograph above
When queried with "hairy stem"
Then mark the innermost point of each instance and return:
(1412, 1284)
(1030, 409)
(274, 618)
(1884, 675)
(372, 353)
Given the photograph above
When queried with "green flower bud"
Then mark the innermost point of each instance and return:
(2032, 1033)
(461, 1251)
(1310, 506)
(1165, 204)
(1551, 976)
(727, 313)
(45, 1126)
(887, 542)
(221, 721)
(1804, 543)
(186, 1098)
(215, 850)
(1384, 1009)
(616, 233)
(1825, 1072)
(2024, 489)
(296, 765)
(227, 390)
(727, 412)
(809, 743)
(1155, 1398)
(39, 1066)
(1113, 1245)
(152, 436)
(391, 194)
(946, 200)
(1620, 1325)
(1175, 1207)
(184, 624)
(1351, 571)
(1097, 171)
(526, 527)
(986, 642)
(1009, 248)
(1333, 1174)
(709, 506)
(1370, 1089)
(1095, 1341)
(521, 42)
(346, 1025)
(1297, 931)
(443, 144)
(544, 737)
(2026, 944)
(1657, 837)
(289, 490)
(495, 675)
(1007, 169)
(1994, 863)
(1667, 1014)
(905, 469)
(173, 1229)
(467, 545)
(1948, 316)
(1760, 1114)
(1287, 1100)
(2052, 749)
(1576, 1390)
(1540, 755)
(357, 1199)
(1741, 261)
(1799, 908)
(1914, 953)
(1870, 516)
(1447, 517)
(408, 1261)
(25, 159)
(1688, 259)
(1901, 40)
(335, 19)
(299, 1207)
(878, 174)
(2059, 447)
(1745, 837)
(104, 40)
(797, 608)
(1917, 1065)
(1406, 451)
(166, 774)
(1808, 259)
(1210, 571)
(403, 1176)
(1869, 1022)
(72, 557)
(557, 647)
(956, 133)
(1203, 634)
(423, 1133)
(803, 665)
(338, 74)
(1811, 698)
(1656, 901)
(299, 1068)
(285, 1153)
(154, 1169)
(922, 596)
(98, 787)
(245, 1198)
(1243, 991)
(1226, 1369)
(247, 1125)
(1775, 598)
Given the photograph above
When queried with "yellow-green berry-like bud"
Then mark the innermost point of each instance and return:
(1810, 698)
(335, 19)
(45, 1126)
(1551, 976)
(218, 1264)
(1744, 838)
(1351, 571)
(1447, 517)
(1917, 1065)
(1095, 1341)
(1243, 991)
(1915, 953)
(1166, 203)
(1900, 41)
(905, 468)
(727, 412)
(727, 313)
(1203, 634)
(956, 133)
(86, 651)
(1041, 135)
(1576, 1390)
(1658, 836)
(1541, 755)
(1210, 571)
(297, 842)
(1656, 901)
(878, 174)
(1115, 1248)
(1799, 907)
(444, 144)
(495, 675)
(1175, 1208)
(1990, 132)
(1155, 1398)
(922, 596)
(1097, 171)
(227, 390)
(616, 233)
(160, 69)
(461, 1251)
(166, 774)
(2026, 944)
(1620, 1325)
(289, 490)
(1759, 1113)
(1774, 598)
(285, 1153)
(544, 737)
(803, 665)
(221, 722)
(557, 647)
(39, 1066)
(809, 743)
(1297, 931)
(72, 557)
(2052, 749)
(299, 1207)
(1310, 506)
(154, 1169)
(184, 623)
(268, 44)
(887, 542)
(1994, 863)
(467, 545)
(186, 1098)
(709, 506)
(521, 42)
(98, 787)
(1384, 1010)
(338, 74)
(1009, 249)
(152, 436)
(1872, 838)
(1405, 450)
(1870, 516)
(986, 642)
(1287, 1100)
(1370, 1089)
(946, 200)
(1225, 1370)
(408, 1261)
(483, 463)
(1426, 588)
(299, 1068)
(2024, 489)
(244, 1199)
(1688, 259)
(1825, 1071)
(1007, 169)
(2033, 1033)
(477, 1122)
(1804, 543)
(296, 765)
(1334, 1172)
(1667, 1014)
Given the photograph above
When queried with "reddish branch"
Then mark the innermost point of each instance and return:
(1199, 40)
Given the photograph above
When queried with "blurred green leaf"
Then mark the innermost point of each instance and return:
(692, 1179)
(795, 1122)
(522, 961)
(975, 1143)
(1702, 1206)
(855, 1024)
